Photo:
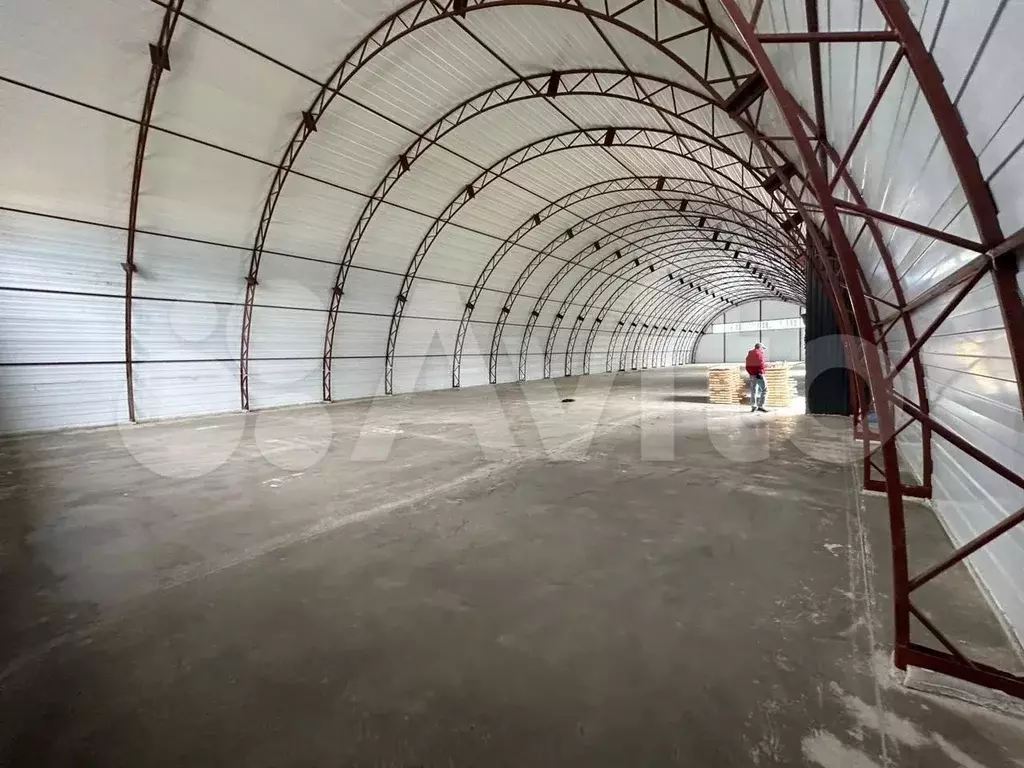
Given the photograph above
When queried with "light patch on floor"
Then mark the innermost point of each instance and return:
(824, 749)
(885, 722)
(958, 756)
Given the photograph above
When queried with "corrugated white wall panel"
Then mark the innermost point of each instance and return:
(456, 255)
(49, 254)
(783, 345)
(473, 371)
(197, 191)
(425, 337)
(274, 383)
(311, 219)
(357, 378)
(43, 397)
(182, 269)
(182, 330)
(55, 328)
(352, 146)
(281, 332)
(187, 388)
(738, 344)
(360, 336)
(372, 292)
(390, 240)
(711, 349)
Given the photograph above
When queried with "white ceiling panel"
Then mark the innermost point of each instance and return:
(61, 159)
(310, 35)
(311, 219)
(422, 76)
(220, 92)
(181, 269)
(496, 133)
(391, 239)
(352, 147)
(95, 52)
(535, 39)
(195, 191)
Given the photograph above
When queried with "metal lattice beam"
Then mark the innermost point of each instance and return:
(160, 62)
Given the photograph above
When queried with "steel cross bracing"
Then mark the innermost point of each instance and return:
(645, 138)
(159, 62)
(1002, 261)
(415, 16)
(668, 185)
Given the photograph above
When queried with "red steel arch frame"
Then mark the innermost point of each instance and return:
(418, 14)
(664, 185)
(998, 255)
(520, 283)
(649, 139)
(843, 277)
(653, 305)
(678, 271)
(160, 62)
(622, 85)
(411, 17)
(702, 234)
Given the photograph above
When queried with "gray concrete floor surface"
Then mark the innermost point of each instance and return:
(486, 577)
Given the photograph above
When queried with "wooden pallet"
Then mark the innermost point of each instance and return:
(724, 385)
(781, 387)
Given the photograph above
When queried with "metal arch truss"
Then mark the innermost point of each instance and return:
(653, 305)
(645, 22)
(656, 93)
(696, 207)
(998, 256)
(674, 243)
(159, 62)
(656, 140)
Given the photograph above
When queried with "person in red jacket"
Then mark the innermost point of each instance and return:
(758, 387)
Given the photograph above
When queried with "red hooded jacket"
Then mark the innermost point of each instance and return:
(755, 362)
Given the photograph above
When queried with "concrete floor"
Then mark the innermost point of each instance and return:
(474, 578)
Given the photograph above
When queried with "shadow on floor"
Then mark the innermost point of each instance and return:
(691, 398)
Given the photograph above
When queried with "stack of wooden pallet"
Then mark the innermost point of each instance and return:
(781, 387)
(724, 385)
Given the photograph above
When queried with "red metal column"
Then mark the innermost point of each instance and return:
(850, 267)
(159, 63)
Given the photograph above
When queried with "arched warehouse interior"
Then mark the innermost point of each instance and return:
(213, 209)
